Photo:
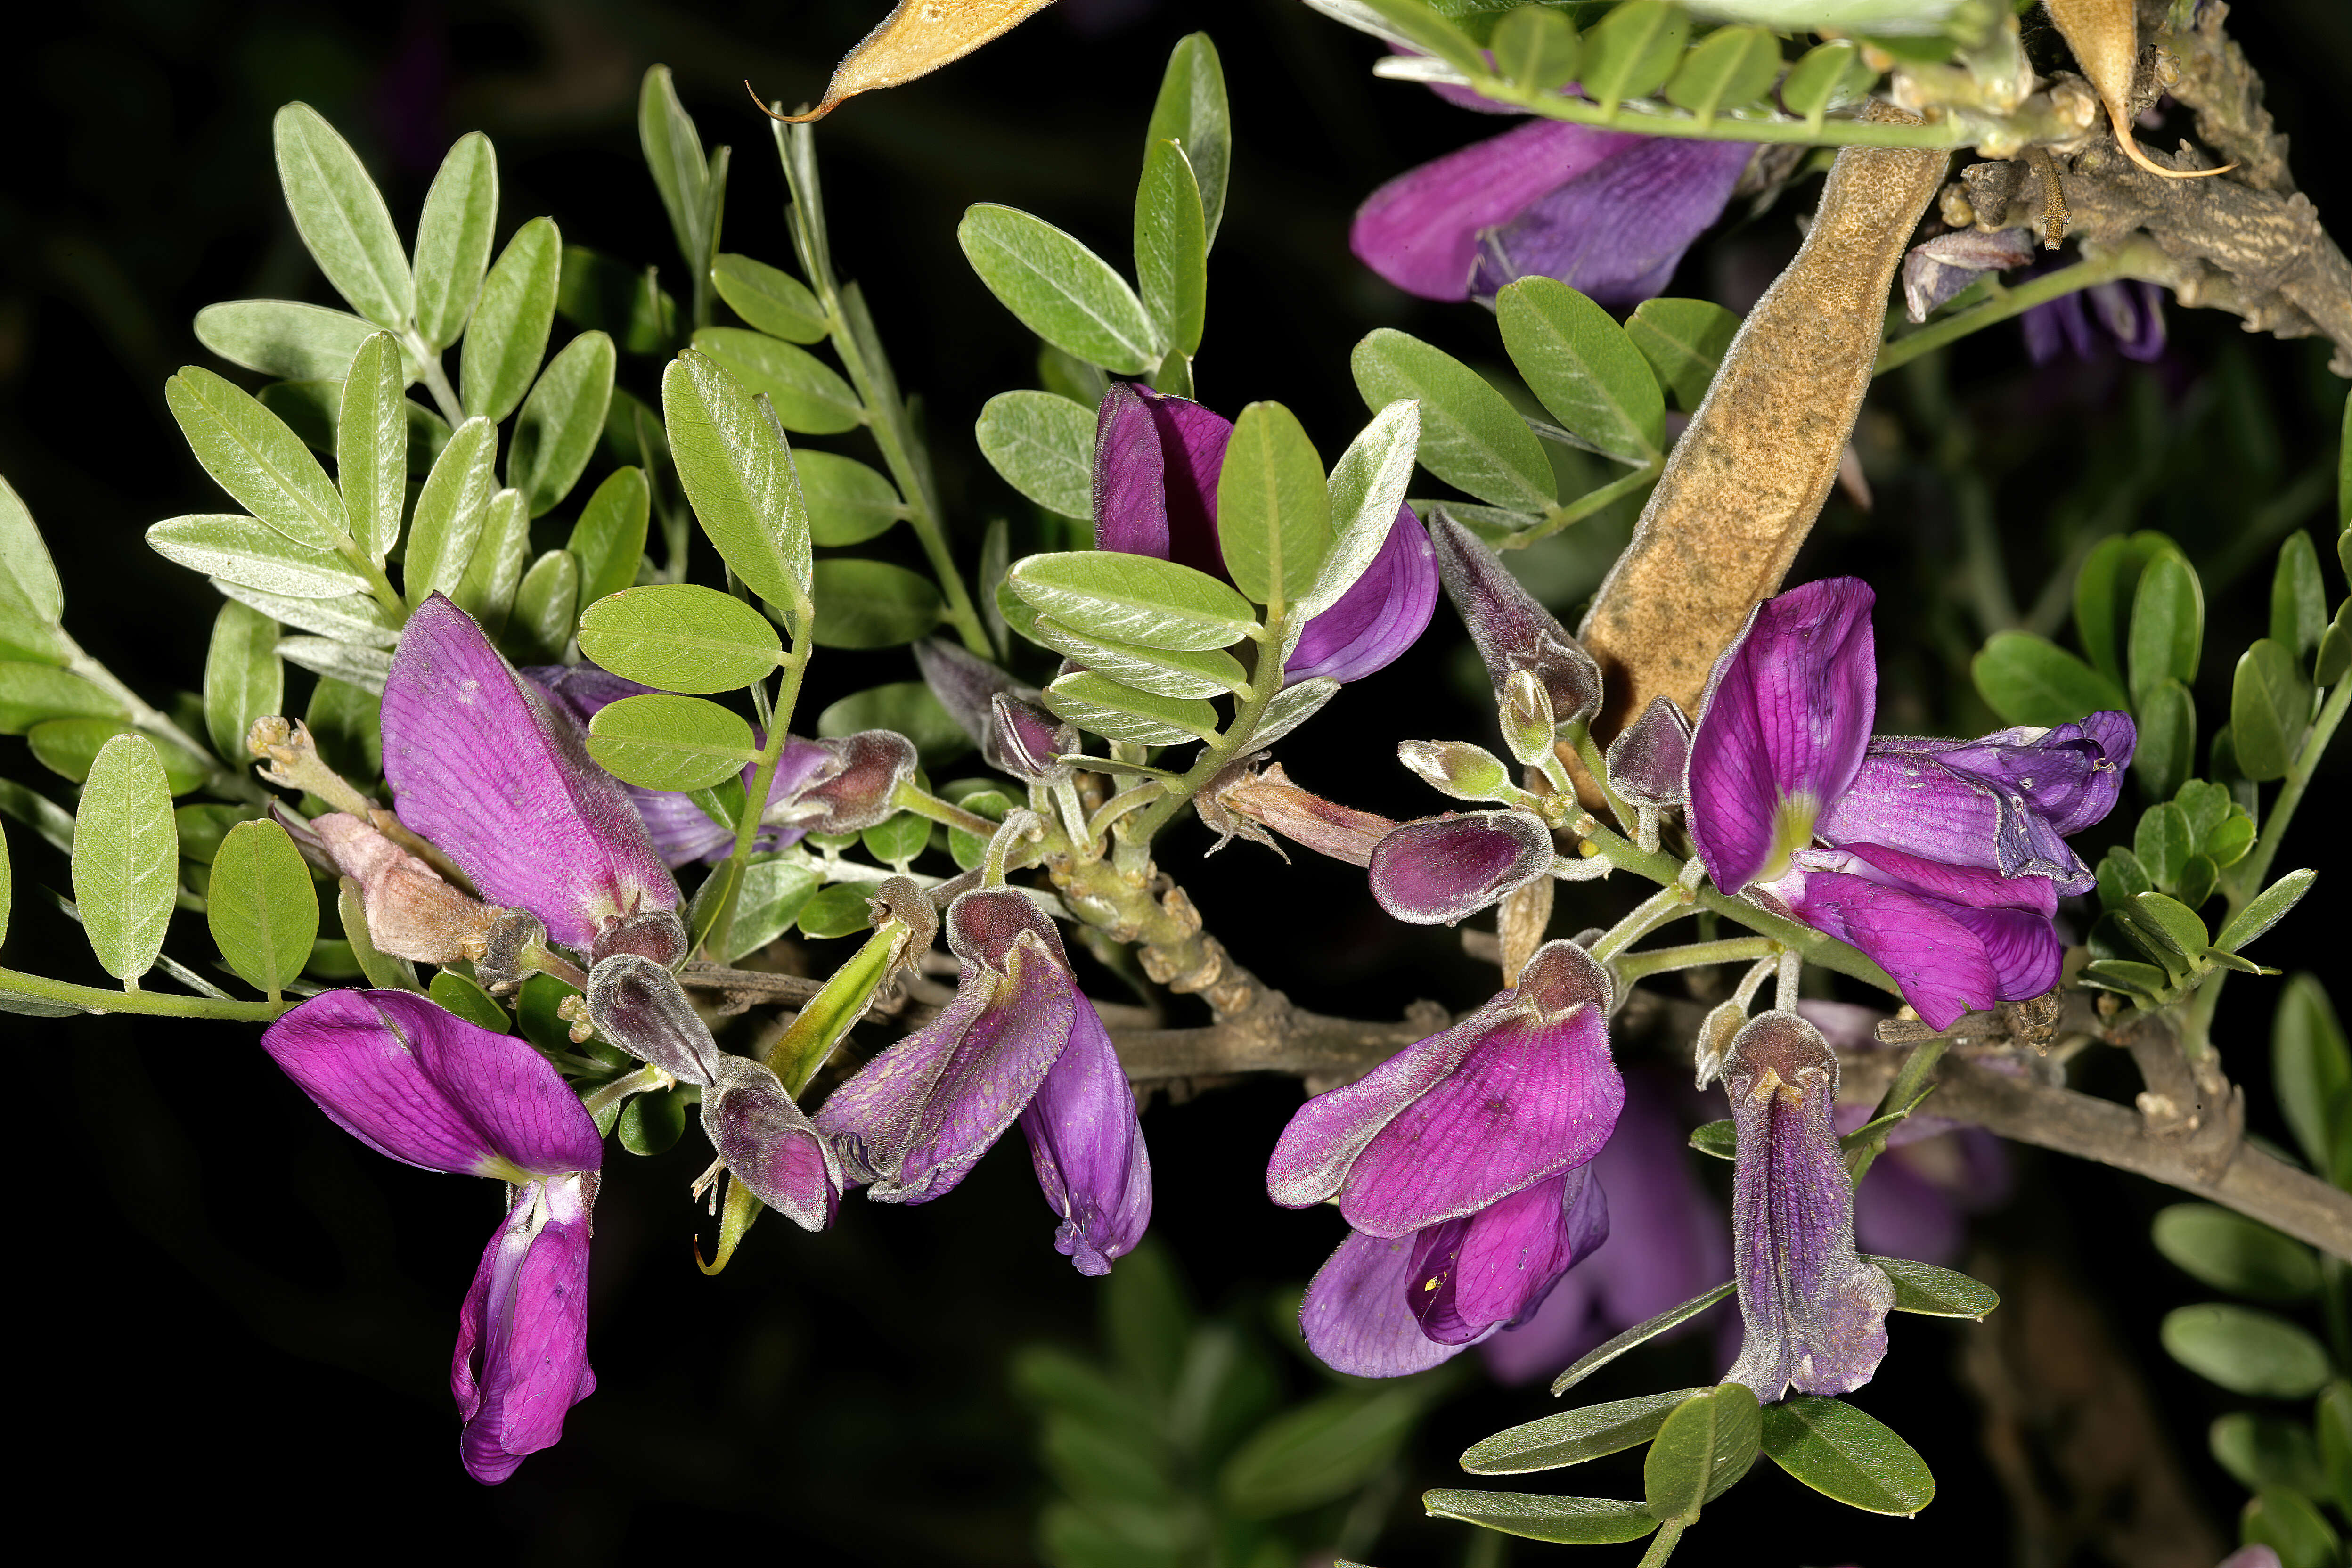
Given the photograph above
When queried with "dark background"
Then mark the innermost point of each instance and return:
(236, 1322)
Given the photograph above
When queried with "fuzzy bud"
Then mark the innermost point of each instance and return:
(639, 1007)
(1525, 707)
(1456, 768)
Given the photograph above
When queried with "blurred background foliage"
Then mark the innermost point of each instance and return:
(240, 1321)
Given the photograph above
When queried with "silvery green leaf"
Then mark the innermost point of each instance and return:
(772, 299)
(1631, 51)
(848, 503)
(1192, 111)
(609, 540)
(1367, 489)
(1119, 712)
(1471, 437)
(448, 518)
(871, 604)
(810, 397)
(69, 748)
(126, 857)
(2265, 909)
(1732, 68)
(453, 239)
(28, 578)
(673, 150)
(544, 608)
(1133, 598)
(287, 338)
(1890, 17)
(1274, 511)
(342, 218)
(1574, 1436)
(243, 677)
(508, 336)
(1171, 247)
(561, 421)
(1058, 288)
(251, 454)
(263, 911)
(349, 617)
(371, 447)
(241, 551)
(668, 743)
(487, 592)
(364, 668)
(1291, 707)
(1044, 445)
(1213, 672)
(738, 473)
(33, 693)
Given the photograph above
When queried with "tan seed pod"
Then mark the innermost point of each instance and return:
(915, 40)
(2105, 36)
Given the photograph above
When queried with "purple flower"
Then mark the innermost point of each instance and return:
(1815, 1314)
(1156, 460)
(2130, 315)
(1015, 733)
(1606, 212)
(1019, 1041)
(430, 1089)
(1942, 860)
(499, 778)
(768, 1144)
(1441, 869)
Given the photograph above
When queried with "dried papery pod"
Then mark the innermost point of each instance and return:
(1743, 484)
(915, 39)
(2105, 36)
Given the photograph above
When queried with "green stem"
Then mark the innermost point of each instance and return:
(1653, 912)
(810, 1039)
(380, 586)
(437, 380)
(1589, 753)
(1585, 505)
(1661, 1545)
(1635, 966)
(643, 1081)
(155, 1003)
(226, 778)
(1725, 128)
(755, 799)
(909, 798)
(1266, 680)
(1917, 1071)
(2104, 268)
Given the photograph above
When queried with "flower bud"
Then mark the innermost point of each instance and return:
(516, 940)
(656, 934)
(874, 763)
(1026, 740)
(1456, 768)
(1512, 631)
(1646, 759)
(1524, 709)
(965, 684)
(1443, 868)
(639, 1007)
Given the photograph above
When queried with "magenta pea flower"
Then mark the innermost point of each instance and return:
(1156, 459)
(1019, 1041)
(1814, 1311)
(428, 1088)
(1942, 860)
(1458, 1162)
(1609, 212)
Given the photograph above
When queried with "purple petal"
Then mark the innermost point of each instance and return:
(1648, 758)
(1355, 1315)
(1781, 729)
(859, 791)
(1382, 614)
(428, 1088)
(1156, 459)
(1897, 1213)
(1419, 231)
(1088, 1149)
(582, 690)
(1815, 1313)
(769, 1146)
(2133, 314)
(1618, 231)
(1441, 868)
(1940, 963)
(1027, 741)
(1512, 631)
(482, 764)
(521, 1361)
(2054, 327)
(680, 831)
(1487, 1270)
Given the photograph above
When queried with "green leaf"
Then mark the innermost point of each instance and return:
(508, 336)
(251, 454)
(650, 1123)
(906, 706)
(342, 218)
(2163, 842)
(2143, 981)
(466, 998)
(609, 540)
(1572, 1437)
(1470, 436)
(2167, 736)
(673, 150)
(1044, 445)
(2262, 1452)
(2311, 1069)
(848, 503)
(1319, 1451)
(1432, 33)
(347, 722)
(2103, 588)
(70, 748)
(2270, 707)
(1845, 1454)
(1536, 1516)
(1119, 597)
(1705, 1447)
(2229, 1252)
(1211, 673)
(562, 419)
(7, 888)
(681, 637)
(809, 397)
(263, 911)
(2287, 1522)
(126, 856)
(1172, 247)
(2334, 1421)
(1537, 48)
(453, 239)
(667, 742)
(2121, 875)
(2171, 926)
(1731, 68)
(872, 604)
(1366, 489)
(201, 828)
(738, 472)
(448, 521)
(349, 617)
(32, 600)
(2244, 1351)
(2265, 909)
(241, 550)
(364, 666)
(1191, 110)
(2298, 597)
(371, 447)
(243, 678)
(1583, 367)
(1720, 1138)
(1684, 341)
(2167, 625)
(1293, 706)
(1633, 51)
(770, 298)
(837, 911)
(1274, 514)
(1936, 1292)
(2029, 679)
(287, 338)
(2334, 659)
(544, 607)
(1118, 712)
(31, 694)
(1821, 77)
(1058, 288)
(1592, 1361)
(595, 290)
(774, 893)
(494, 571)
